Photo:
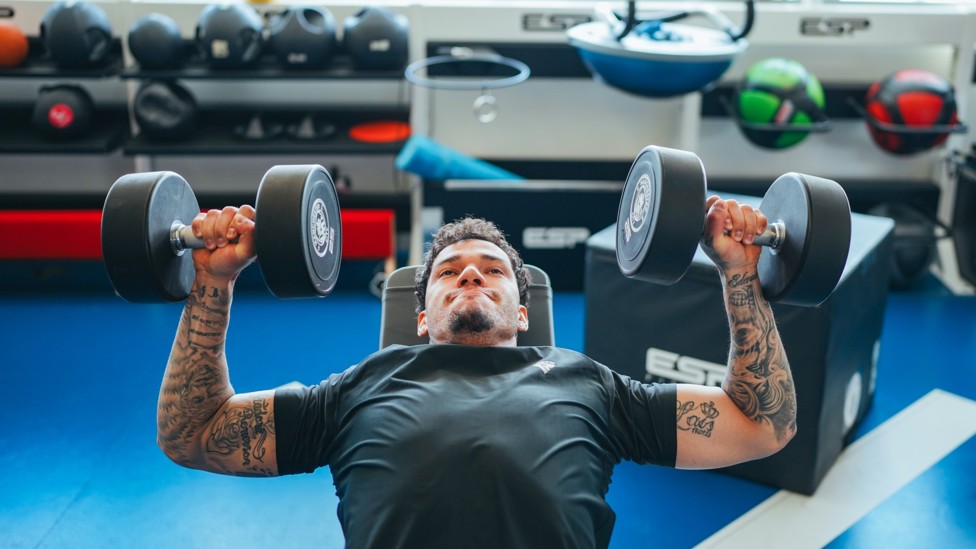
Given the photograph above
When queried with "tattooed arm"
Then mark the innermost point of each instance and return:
(753, 415)
(201, 423)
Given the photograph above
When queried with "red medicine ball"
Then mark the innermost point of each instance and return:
(915, 99)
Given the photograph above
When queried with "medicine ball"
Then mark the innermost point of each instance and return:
(376, 38)
(230, 35)
(155, 42)
(165, 111)
(913, 98)
(303, 37)
(77, 34)
(13, 45)
(63, 111)
(913, 243)
(781, 92)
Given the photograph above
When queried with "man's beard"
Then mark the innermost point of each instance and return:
(470, 322)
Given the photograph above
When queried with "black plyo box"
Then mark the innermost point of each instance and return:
(548, 221)
(680, 333)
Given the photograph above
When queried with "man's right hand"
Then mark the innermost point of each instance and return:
(730, 232)
(228, 235)
(198, 414)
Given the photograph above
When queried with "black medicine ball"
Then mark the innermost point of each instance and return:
(913, 243)
(230, 35)
(155, 42)
(63, 111)
(376, 38)
(77, 34)
(303, 37)
(165, 111)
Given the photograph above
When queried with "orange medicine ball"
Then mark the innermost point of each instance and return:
(13, 45)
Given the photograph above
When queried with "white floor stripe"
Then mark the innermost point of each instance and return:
(868, 471)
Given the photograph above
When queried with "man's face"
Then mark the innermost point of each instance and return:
(472, 297)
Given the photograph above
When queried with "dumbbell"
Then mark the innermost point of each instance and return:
(146, 233)
(661, 219)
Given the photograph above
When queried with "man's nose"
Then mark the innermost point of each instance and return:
(470, 275)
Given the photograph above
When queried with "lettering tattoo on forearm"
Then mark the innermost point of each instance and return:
(244, 430)
(701, 423)
(214, 292)
(760, 382)
(196, 381)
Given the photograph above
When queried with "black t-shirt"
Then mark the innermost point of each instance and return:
(454, 446)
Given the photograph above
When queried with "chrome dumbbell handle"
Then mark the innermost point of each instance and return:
(773, 236)
(181, 238)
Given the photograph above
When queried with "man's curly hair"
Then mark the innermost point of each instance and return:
(467, 229)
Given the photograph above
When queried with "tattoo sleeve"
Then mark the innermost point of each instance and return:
(759, 379)
(197, 425)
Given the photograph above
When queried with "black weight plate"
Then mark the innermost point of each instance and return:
(137, 216)
(809, 263)
(298, 232)
(661, 215)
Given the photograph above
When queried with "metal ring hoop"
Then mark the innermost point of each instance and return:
(411, 72)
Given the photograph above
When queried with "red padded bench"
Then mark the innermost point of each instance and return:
(76, 234)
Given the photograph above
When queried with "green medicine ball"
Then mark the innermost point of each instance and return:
(779, 92)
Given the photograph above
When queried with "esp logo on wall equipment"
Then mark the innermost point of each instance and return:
(552, 22)
(832, 26)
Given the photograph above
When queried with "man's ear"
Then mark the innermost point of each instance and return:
(523, 319)
(422, 324)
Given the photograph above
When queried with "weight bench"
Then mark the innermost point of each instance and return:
(398, 320)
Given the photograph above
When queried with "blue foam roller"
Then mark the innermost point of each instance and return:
(431, 160)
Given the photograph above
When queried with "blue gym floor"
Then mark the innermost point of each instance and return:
(79, 467)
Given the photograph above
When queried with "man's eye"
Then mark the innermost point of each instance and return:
(446, 272)
(496, 270)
